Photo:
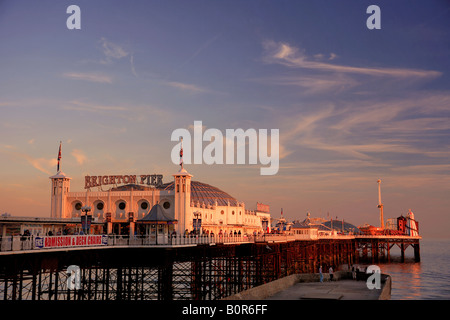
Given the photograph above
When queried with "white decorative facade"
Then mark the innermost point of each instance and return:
(194, 206)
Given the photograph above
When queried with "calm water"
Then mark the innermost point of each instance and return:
(428, 279)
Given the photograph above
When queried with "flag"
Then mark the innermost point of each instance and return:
(59, 155)
(181, 153)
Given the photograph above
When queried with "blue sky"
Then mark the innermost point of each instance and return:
(352, 105)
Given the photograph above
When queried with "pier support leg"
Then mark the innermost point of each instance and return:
(402, 249)
(375, 250)
(364, 252)
(416, 252)
(165, 274)
(388, 248)
(196, 284)
(316, 254)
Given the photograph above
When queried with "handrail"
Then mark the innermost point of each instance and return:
(25, 243)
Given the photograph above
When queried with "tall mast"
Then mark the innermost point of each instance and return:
(380, 205)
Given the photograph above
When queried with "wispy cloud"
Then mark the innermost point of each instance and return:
(92, 107)
(130, 112)
(362, 150)
(186, 87)
(203, 47)
(372, 129)
(418, 112)
(320, 73)
(79, 156)
(425, 169)
(312, 84)
(112, 51)
(321, 56)
(91, 77)
(292, 57)
(305, 124)
(133, 69)
(42, 164)
(364, 129)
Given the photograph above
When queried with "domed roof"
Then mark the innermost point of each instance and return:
(339, 224)
(202, 192)
(327, 225)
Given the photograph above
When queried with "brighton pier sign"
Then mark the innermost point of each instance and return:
(148, 179)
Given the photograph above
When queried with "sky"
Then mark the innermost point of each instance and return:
(352, 105)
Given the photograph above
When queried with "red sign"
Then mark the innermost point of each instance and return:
(97, 181)
(70, 241)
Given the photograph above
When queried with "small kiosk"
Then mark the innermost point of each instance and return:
(157, 225)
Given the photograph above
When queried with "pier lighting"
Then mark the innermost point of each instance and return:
(197, 226)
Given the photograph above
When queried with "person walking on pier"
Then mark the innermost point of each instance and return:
(331, 273)
(320, 274)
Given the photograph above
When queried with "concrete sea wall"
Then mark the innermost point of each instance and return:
(267, 290)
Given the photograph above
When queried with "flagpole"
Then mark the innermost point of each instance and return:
(59, 155)
(181, 153)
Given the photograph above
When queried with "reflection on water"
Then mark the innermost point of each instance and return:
(406, 279)
(425, 280)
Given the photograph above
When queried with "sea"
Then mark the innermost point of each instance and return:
(428, 279)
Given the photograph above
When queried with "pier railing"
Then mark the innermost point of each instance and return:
(22, 243)
(178, 240)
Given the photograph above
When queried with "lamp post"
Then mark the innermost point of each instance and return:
(86, 209)
(197, 225)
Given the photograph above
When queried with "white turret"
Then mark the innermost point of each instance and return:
(60, 190)
(182, 189)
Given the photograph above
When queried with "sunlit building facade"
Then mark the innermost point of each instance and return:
(192, 206)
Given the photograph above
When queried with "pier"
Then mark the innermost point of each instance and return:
(188, 268)
(378, 248)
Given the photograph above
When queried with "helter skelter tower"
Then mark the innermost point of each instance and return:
(380, 205)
